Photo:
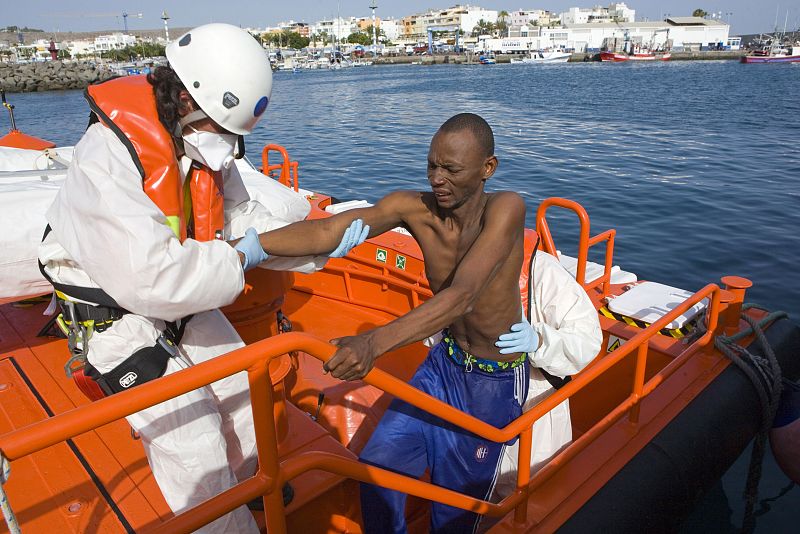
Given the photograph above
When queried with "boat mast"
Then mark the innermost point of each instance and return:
(785, 22)
(777, 7)
(338, 29)
(10, 108)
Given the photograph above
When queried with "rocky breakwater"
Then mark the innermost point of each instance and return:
(50, 76)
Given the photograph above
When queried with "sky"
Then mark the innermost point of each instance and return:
(745, 16)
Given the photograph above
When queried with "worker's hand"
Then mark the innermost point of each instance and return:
(250, 247)
(521, 338)
(354, 358)
(355, 234)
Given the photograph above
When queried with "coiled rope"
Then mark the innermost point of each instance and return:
(8, 513)
(765, 375)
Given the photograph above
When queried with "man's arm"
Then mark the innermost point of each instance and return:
(321, 236)
(505, 222)
(272, 206)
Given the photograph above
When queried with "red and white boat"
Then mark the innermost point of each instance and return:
(636, 56)
(790, 54)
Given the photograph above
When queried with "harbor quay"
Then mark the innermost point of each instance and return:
(63, 75)
(578, 57)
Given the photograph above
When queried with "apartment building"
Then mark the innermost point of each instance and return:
(613, 13)
(463, 18)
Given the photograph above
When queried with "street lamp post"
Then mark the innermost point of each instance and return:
(374, 6)
(165, 18)
(728, 15)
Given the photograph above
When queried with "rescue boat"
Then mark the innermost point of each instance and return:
(657, 417)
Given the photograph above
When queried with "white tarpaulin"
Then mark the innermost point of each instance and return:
(29, 180)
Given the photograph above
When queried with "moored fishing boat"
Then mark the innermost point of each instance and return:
(548, 56)
(621, 407)
(618, 57)
(790, 54)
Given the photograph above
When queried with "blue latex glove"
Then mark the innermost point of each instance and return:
(521, 338)
(355, 234)
(250, 246)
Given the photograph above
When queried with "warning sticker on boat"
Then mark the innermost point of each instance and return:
(381, 255)
(614, 343)
(400, 262)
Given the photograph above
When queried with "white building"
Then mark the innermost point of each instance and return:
(392, 28)
(530, 17)
(676, 32)
(470, 16)
(685, 32)
(114, 41)
(82, 47)
(461, 18)
(525, 23)
(338, 27)
(36, 51)
(612, 13)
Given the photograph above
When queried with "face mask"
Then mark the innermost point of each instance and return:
(211, 149)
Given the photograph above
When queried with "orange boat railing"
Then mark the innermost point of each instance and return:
(271, 474)
(584, 241)
(289, 169)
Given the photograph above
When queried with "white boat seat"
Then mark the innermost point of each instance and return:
(649, 301)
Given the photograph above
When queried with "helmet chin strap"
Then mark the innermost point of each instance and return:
(194, 116)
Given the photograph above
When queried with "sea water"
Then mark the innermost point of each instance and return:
(696, 165)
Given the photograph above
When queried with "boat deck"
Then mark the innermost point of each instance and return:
(98, 481)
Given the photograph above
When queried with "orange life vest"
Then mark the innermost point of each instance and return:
(127, 106)
(530, 248)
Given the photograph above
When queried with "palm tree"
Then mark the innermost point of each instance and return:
(483, 28)
(502, 26)
(699, 13)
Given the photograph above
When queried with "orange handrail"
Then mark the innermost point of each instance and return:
(289, 169)
(271, 475)
(584, 241)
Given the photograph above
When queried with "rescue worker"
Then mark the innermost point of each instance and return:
(139, 278)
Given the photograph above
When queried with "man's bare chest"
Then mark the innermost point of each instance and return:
(444, 254)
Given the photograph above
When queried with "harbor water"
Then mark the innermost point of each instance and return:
(696, 165)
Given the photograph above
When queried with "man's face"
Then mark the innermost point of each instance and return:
(457, 167)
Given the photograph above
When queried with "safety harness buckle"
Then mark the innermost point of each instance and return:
(76, 363)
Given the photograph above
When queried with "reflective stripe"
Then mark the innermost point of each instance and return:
(676, 333)
(174, 224)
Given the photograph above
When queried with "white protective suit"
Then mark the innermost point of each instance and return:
(567, 323)
(108, 233)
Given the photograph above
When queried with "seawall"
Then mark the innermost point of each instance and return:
(58, 75)
(439, 59)
(50, 76)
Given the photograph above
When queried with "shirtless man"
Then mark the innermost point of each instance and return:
(473, 247)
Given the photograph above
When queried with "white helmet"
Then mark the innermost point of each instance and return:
(227, 73)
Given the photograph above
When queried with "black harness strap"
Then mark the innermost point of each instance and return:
(88, 294)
